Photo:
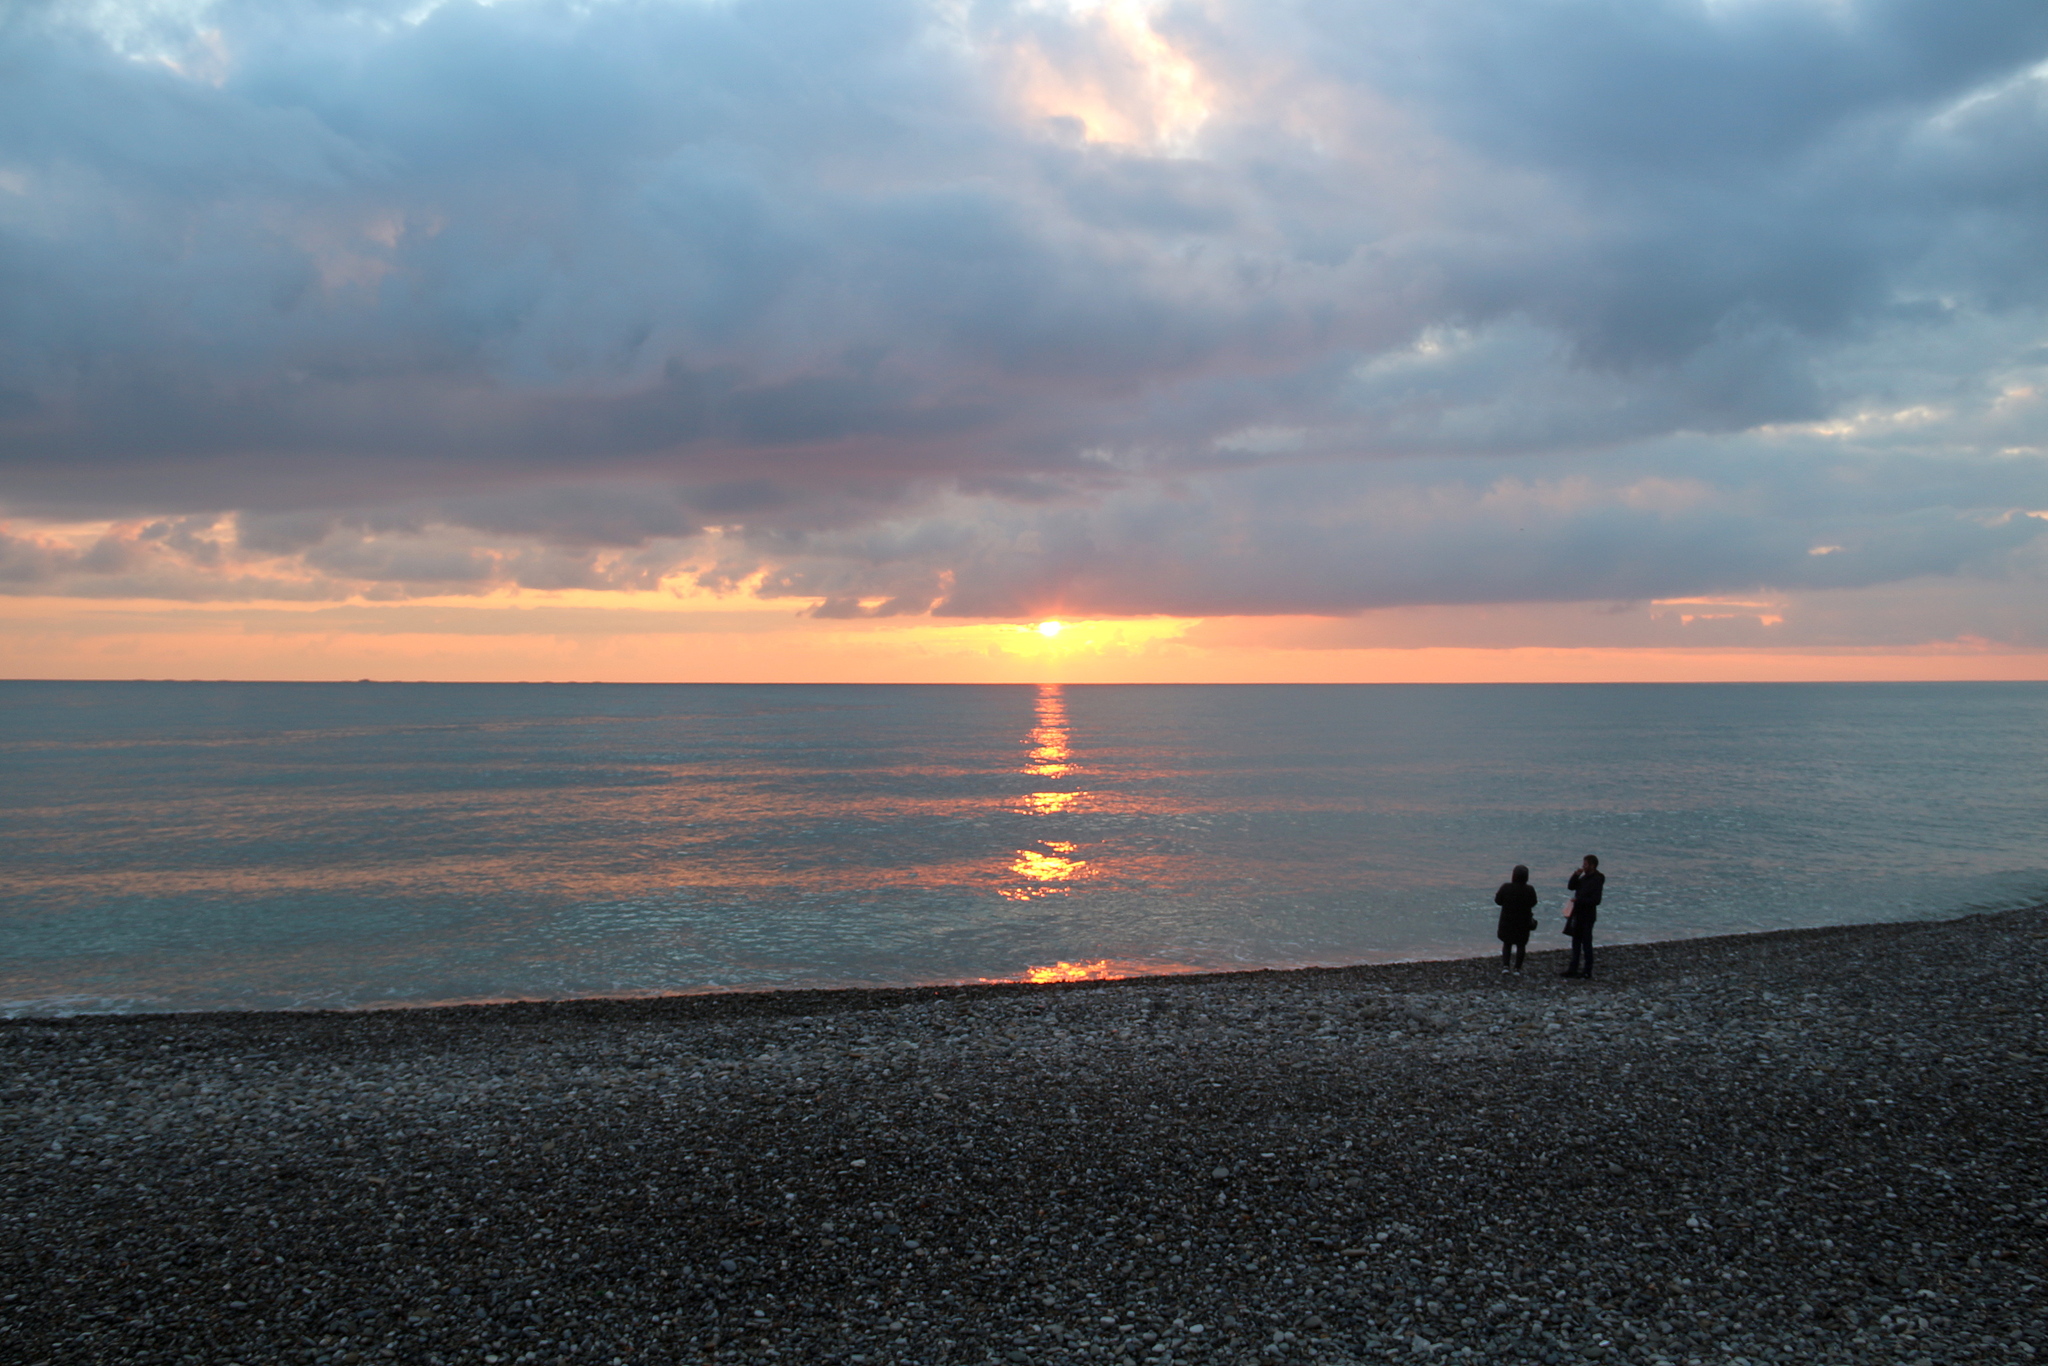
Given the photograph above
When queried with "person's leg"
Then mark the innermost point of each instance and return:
(1521, 952)
(1589, 955)
(1578, 953)
(1507, 952)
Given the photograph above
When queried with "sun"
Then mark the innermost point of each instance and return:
(1049, 629)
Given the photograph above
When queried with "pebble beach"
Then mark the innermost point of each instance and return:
(1814, 1146)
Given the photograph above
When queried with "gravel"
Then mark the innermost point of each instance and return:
(1820, 1146)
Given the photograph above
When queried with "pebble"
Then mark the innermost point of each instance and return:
(1814, 1146)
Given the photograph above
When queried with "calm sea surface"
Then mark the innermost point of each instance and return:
(174, 846)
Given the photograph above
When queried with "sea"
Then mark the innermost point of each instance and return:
(312, 846)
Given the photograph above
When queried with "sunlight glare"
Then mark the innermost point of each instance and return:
(1098, 970)
(1101, 970)
(1116, 80)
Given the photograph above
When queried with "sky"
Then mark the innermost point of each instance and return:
(1246, 340)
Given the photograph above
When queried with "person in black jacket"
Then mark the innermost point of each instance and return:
(1586, 885)
(1517, 902)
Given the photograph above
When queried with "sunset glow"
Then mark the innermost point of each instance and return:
(1165, 343)
(544, 638)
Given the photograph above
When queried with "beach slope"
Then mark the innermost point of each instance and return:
(1812, 1146)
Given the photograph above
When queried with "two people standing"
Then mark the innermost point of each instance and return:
(1517, 902)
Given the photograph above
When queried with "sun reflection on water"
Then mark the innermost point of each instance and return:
(1101, 969)
(1098, 970)
(1047, 869)
(1048, 872)
(1051, 753)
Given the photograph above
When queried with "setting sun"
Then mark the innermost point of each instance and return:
(1049, 629)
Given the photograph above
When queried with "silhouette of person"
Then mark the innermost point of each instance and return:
(1517, 902)
(1586, 886)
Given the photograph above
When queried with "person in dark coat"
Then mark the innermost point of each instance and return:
(1586, 886)
(1517, 902)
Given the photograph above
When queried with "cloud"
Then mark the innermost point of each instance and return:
(1340, 539)
(898, 306)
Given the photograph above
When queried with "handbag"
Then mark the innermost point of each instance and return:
(1569, 907)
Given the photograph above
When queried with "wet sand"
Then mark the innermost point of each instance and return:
(1811, 1146)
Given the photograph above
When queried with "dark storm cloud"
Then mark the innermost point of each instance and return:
(1775, 158)
(981, 306)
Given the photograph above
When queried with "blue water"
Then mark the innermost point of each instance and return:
(173, 846)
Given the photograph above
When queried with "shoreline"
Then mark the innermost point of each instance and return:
(771, 1000)
(1812, 1145)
